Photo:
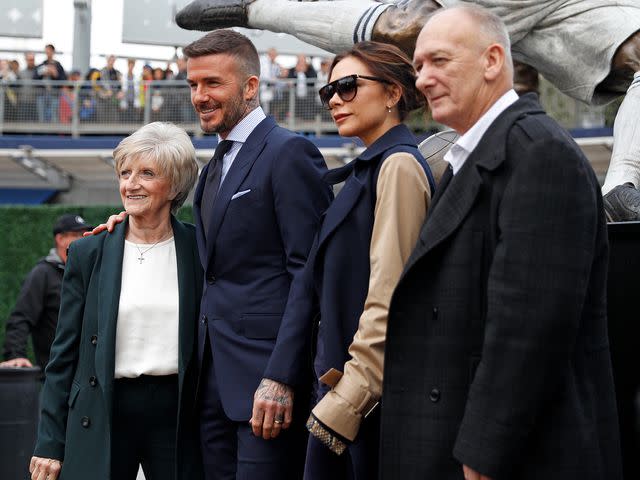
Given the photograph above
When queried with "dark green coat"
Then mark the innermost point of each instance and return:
(75, 426)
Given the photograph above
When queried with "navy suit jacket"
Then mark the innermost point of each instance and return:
(256, 246)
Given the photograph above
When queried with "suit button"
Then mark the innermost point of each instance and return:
(93, 381)
(85, 422)
(435, 313)
(211, 279)
(434, 396)
(94, 339)
(203, 319)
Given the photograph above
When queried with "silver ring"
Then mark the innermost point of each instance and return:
(277, 422)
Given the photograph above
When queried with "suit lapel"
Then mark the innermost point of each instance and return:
(455, 202)
(109, 300)
(240, 168)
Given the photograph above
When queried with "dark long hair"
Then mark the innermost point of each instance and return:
(392, 64)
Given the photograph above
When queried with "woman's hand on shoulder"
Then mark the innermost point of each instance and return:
(109, 226)
(44, 468)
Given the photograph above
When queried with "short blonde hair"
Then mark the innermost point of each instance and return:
(170, 148)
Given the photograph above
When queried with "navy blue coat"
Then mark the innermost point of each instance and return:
(256, 246)
(340, 259)
(338, 274)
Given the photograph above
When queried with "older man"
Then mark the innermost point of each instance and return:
(497, 359)
(590, 49)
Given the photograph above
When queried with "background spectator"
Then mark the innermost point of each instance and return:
(110, 79)
(129, 95)
(47, 100)
(27, 94)
(305, 76)
(36, 310)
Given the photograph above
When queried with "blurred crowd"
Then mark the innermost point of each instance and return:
(45, 92)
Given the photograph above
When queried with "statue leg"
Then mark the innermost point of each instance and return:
(332, 25)
(401, 24)
(622, 197)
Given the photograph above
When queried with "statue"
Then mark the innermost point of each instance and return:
(589, 49)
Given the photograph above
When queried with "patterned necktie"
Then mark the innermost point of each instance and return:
(212, 184)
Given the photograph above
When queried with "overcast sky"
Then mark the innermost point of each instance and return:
(106, 35)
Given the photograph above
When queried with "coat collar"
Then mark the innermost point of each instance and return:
(456, 201)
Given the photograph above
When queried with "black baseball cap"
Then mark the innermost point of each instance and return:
(70, 222)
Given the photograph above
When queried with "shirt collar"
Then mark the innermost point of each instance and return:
(244, 127)
(472, 137)
(466, 143)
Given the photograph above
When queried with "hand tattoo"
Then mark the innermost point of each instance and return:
(270, 390)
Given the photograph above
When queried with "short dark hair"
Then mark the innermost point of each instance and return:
(392, 64)
(227, 42)
(50, 45)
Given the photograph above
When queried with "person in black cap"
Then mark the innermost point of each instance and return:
(36, 310)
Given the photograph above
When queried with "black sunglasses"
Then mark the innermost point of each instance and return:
(345, 87)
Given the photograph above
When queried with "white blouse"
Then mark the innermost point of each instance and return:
(147, 325)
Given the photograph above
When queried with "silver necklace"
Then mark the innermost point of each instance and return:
(142, 252)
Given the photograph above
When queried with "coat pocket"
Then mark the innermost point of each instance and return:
(73, 394)
(261, 326)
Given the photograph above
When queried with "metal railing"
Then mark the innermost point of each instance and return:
(98, 107)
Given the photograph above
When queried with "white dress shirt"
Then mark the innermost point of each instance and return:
(460, 151)
(238, 135)
(148, 311)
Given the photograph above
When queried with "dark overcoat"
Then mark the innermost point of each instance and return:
(76, 421)
(497, 353)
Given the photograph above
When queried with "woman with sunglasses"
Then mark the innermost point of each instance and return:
(363, 243)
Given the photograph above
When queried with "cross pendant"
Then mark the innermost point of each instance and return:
(140, 259)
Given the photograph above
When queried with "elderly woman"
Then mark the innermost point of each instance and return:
(120, 385)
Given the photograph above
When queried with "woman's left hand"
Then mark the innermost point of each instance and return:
(44, 468)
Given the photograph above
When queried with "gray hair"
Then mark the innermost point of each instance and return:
(490, 25)
(170, 148)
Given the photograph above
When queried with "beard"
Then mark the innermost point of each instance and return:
(234, 110)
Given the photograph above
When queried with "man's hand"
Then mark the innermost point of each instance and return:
(109, 226)
(470, 474)
(16, 363)
(44, 468)
(272, 409)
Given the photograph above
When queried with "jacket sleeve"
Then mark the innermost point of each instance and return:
(62, 364)
(26, 314)
(300, 197)
(403, 197)
(537, 285)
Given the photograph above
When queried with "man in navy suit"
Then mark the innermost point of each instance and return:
(257, 206)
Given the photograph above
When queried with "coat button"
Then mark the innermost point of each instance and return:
(434, 396)
(211, 279)
(203, 319)
(85, 422)
(93, 381)
(94, 339)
